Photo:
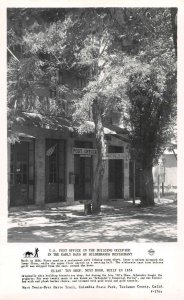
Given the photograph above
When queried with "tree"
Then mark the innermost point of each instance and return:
(73, 44)
(145, 68)
(151, 91)
(152, 107)
(151, 86)
(174, 26)
(99, 44)
(151, 114)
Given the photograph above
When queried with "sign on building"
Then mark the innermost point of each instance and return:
(116, 156)
(84, 151)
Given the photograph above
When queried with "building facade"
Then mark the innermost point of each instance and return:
(53, 164)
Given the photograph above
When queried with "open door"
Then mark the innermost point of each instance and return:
(116, 175)
(83, 169)
(55, 170)
(22, 173)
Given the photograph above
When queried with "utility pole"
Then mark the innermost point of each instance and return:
(163, 173)
(133, 173)
(133, 165)
(158, 190)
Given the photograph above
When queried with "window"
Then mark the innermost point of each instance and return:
(19, 164)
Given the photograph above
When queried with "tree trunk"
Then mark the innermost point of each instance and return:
(147, 193)
(100, 145)
(174, 26)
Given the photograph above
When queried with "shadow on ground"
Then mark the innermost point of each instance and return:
(117, 223)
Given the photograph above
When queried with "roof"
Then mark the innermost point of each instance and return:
(110, 129)
(117, 129)
(59, 123)
(43, 121)
(20, 134)
(169, 152)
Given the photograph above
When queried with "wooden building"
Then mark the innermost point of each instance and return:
(53, 164)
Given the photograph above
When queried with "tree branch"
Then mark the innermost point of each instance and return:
(13, 55)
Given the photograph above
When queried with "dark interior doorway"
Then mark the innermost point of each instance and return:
(55, 170)
(116, 174)
(137, 179)
(83, 169)
(22, 173)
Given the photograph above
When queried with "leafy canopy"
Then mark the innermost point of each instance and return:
(126, 54)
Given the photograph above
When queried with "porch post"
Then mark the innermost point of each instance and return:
(40, 171)
(69, 170)
(126, 177)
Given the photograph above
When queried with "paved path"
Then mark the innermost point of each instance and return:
(118, 222)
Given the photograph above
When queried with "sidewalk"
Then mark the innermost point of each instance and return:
(119, 221)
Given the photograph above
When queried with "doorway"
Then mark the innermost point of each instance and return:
(134, 179)
(22, 173)
(55, 170)
(83, 169)
(116, 175)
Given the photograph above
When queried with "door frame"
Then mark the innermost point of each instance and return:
(84, 144)
(110, 150)
(47, 174)
(29, 200)
(82, 161)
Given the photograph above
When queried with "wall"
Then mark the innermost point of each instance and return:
(40, 135)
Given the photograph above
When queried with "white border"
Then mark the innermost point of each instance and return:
(173, 252)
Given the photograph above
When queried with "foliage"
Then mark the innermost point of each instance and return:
(82, 41)
(127, 57)
(151, 111)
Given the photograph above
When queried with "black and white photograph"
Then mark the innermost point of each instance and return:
(91, 150)
(92, 124)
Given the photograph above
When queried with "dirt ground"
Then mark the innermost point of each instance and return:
(119, 221)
